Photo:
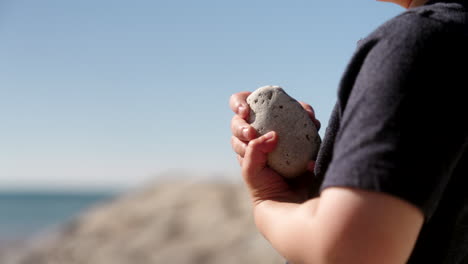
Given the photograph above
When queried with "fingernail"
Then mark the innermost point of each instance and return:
(242, 110)
(245, 133)
(269, 135)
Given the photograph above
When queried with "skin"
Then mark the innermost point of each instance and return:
(406, 3)
(342, 225)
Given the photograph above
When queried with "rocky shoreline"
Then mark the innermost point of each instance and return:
(201, 222)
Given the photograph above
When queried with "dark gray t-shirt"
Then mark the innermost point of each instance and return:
(400, 125)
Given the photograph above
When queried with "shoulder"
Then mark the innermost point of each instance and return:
(427, 36)
(423, 26)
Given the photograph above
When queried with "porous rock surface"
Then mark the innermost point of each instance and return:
(272, 109)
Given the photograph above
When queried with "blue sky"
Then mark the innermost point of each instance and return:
(114, 93)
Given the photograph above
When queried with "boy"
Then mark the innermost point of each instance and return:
(393, 166)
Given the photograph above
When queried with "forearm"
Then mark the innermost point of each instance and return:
(341, 226)
(292, 229)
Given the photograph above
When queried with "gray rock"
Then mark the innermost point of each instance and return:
(274, 110)
(166, 222)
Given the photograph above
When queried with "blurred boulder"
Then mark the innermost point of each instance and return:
(172, 222)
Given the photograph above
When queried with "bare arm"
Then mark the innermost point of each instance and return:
(342, 226)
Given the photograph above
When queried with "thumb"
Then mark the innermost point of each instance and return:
(263, 182)
(256, 154)
(255, 159)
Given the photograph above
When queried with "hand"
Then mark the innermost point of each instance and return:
(263, 182)
(325, 227)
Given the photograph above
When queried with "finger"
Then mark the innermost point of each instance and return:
(238, 146)
(241, 129)
(256, 154)
(238, 104)
(311, 113)
(311, 166)
(317, 124)
(240, 159)
(308, 108)
(300, 186)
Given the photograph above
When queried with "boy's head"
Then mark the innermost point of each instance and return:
(406, 3)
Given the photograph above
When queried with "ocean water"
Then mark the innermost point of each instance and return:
(25, 214)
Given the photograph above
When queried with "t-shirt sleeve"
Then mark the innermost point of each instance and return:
(404, 125)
